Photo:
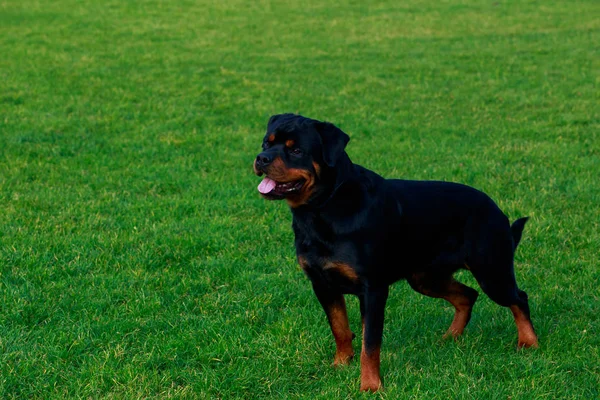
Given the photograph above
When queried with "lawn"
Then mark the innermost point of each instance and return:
(137, 259)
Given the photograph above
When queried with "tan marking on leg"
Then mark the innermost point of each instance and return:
(527, 336)
(338, 322)
(462, 314)
(338, 319)
(453, 292)
(343, 269)
(370, 380)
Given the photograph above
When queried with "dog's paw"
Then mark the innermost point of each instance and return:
(371, 385)
(342, 359)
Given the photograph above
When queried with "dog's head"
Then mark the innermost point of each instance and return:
(298, 155)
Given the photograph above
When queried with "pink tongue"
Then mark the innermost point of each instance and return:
(266, 185)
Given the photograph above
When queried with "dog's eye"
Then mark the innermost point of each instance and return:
(296, 152)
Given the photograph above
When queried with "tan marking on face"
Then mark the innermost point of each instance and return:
(271, 137)
(298, 199)
(317, 168)
(278, 171)
(289, 143)
(256, 170)
(343, 269)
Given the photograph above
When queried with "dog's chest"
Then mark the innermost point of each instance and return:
(327, 258)
(328, 271)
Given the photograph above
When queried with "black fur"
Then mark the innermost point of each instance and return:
(357, 233)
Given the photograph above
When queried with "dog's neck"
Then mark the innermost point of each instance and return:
(347, 197)
(332, 178)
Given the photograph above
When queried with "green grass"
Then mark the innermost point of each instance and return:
(138, 261)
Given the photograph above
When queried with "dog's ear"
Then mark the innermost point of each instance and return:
(334, 142)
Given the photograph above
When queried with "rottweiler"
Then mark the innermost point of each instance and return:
(357, 233)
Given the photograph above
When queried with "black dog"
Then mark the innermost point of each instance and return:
(357, 233)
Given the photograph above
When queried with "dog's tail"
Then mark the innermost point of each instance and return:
(517, 231)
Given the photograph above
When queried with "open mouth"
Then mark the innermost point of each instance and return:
(278, 190)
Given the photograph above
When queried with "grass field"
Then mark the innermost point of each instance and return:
(137, 259)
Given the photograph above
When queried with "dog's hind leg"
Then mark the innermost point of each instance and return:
(461, 296)
(491, 261)
(520, 310)
(500, 285)
(495, 274)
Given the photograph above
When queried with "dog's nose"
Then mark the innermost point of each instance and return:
(263, 159)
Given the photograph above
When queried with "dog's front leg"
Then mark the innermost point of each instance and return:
(373, 309)
(335, 308)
